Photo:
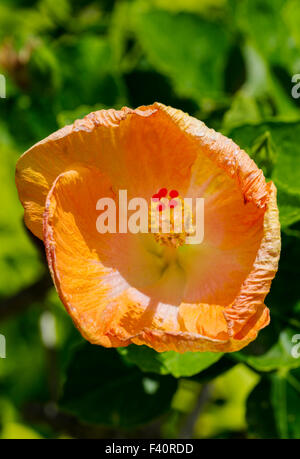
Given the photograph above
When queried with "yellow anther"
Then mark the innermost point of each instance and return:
(170, 221)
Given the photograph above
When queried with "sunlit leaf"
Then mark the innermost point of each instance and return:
(191, 5)
(261, 21)
(178, 365)
(226, 412)
(244, 109)
(189, 50)
(16, 431)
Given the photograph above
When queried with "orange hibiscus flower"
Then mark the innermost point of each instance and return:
(154, 289)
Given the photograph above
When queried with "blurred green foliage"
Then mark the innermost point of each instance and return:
(228, 62)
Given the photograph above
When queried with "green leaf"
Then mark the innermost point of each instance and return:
(278, 143)
(59, 13)
(17, 431)
(178, 365)
(191, 5)
(285, 398)
(191, 51)
(264, 154)
(261, 21)
(278, 356)
(244, 109)
(289, 206)
(285, 137)
(215, 370)
(271, 50)
(226, 410)
(271, 94)
(91, 58)
(283, 300)
(101, 389)
(291, 18)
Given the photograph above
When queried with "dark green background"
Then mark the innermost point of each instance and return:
(229, 63)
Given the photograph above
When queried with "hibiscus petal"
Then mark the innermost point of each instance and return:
(122, 288)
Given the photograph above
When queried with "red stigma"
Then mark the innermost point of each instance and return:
(156, 197)
(162, 193)
(173, 194)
